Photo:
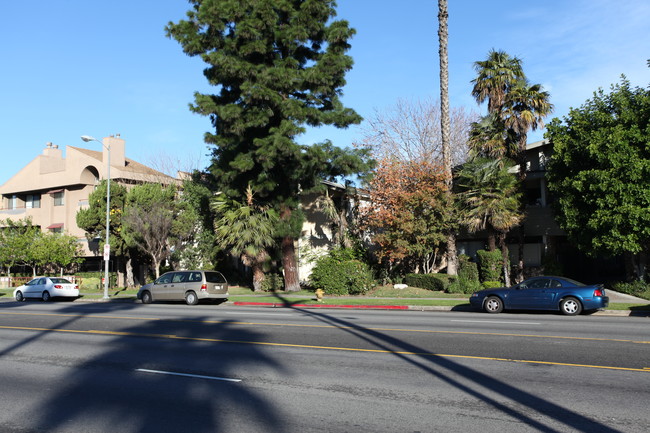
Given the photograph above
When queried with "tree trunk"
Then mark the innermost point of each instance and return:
(492, 240)
(521, 161)
(445, 124)
(505, 259)
(130, 281)
(258, 276)
(452, 255)
(289, 263)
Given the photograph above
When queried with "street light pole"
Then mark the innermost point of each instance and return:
(107, 246)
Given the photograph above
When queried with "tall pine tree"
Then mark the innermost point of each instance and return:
(279, 66)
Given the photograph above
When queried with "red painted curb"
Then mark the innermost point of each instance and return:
(368, 307)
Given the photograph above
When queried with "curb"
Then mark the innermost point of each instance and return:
(284, 305)
(615, 313)
(622, 313)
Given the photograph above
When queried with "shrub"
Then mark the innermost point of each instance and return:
(435, 282)
(272, 282)
(467, 280)
(491, 284)
(489, 265)
(639, 289)
(337, 275)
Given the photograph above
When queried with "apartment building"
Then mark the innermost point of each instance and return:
(53, 187)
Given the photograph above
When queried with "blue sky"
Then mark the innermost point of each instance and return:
(79, 67)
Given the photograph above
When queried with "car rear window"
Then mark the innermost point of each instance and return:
(214, 277)
(60, 281)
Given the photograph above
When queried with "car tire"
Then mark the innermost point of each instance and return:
(493, 305)
(191, 298)
(146, 297)
(570, 306)
(19, 296)
(46, 296)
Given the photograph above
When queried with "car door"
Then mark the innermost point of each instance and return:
(533, 293)
(177, 286)
(160, 290)
(33, 289)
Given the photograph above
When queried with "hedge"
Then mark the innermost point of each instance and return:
(435, 282)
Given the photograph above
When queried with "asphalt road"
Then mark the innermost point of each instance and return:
(100, 367)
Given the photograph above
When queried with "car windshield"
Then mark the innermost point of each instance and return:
(214, 277)
(60, 281)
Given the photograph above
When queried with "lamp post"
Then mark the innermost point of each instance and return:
(107, 247)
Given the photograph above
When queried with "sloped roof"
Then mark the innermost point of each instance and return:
(131, 165)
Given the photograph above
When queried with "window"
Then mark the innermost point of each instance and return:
(58, 198)
(33, 201)
(12, 202)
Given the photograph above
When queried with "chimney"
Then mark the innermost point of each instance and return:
(52, 151)
(117, 146)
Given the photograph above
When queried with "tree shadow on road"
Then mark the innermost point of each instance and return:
(516, 403)
(126, 385)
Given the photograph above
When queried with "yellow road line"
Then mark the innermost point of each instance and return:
(295, 325)
(308, 346)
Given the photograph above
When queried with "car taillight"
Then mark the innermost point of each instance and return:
(204, 287)
(58, 286)
(598, 292)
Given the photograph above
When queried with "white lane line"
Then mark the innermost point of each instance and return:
(144, 370)
(496, 321)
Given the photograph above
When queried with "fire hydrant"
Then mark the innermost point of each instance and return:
(319, 295)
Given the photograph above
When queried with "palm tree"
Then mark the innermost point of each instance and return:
(495, 76)
(247, 231)
(489, 200)
(514, 105)
(445, 122)
(490, 138)
(524, 109)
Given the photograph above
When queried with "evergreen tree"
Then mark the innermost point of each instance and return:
(279, 66)
(93, 218)
(600, 175)
(16, 237)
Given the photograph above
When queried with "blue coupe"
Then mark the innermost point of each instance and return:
(542, 293)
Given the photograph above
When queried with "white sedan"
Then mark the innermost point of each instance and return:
(46, 288)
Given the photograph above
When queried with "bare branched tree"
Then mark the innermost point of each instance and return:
(153, 227)
(411, 131)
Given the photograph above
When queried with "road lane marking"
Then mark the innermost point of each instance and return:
(358, 327)
(257, 314)
(198, 376)
(496, 321)
(347, 349)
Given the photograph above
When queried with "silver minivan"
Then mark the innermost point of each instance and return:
(190, 286)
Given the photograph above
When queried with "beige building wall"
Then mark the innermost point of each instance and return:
(51, 189)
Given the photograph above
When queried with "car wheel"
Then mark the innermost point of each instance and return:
(493, 305)
(19, 296)
(570, 306)
(46, 296)
(191, 298)
(146, 297)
